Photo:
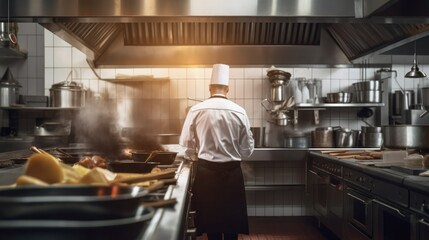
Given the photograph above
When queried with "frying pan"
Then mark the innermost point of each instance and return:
(71, 202)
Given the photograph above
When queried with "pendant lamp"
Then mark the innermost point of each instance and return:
(415, 71)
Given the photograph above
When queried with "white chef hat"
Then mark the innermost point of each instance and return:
(220, 74)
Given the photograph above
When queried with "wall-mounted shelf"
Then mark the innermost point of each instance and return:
(336, 105)
(39, 108)
(7, 53)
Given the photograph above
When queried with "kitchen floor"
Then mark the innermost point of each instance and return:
(283, 228)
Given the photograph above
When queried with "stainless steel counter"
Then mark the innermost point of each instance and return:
(409, 181)
(289, 154)
(169, 223)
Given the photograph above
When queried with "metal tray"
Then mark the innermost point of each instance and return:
(71, 202)
(111, 229)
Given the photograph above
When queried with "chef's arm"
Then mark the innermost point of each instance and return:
(187, 139)
(247, 143)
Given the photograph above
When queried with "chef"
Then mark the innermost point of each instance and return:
(216, 134)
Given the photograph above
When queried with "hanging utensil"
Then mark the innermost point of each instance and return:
(365, 113)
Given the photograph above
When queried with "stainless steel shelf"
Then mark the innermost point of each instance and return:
(39, 108)
(337, 105)
(8, 53)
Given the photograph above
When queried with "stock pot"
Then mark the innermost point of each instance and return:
(406, 136)
(67, 94)
(9, 89)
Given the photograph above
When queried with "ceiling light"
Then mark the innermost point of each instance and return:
(415, 71)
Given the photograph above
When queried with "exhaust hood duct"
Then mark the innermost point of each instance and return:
(129, 33)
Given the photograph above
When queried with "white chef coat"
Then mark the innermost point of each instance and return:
(217, 130)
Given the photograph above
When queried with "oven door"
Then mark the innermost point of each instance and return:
(358, 215)
(320, 182)
(423, 228)
(393, 223)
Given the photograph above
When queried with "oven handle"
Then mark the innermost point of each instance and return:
(422, 221)
(318, 175)
(390, 207)
(358, 198)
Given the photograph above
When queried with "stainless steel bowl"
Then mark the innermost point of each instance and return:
(369, 96)
(372, 85)
(340, 97)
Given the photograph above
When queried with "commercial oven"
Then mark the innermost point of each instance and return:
(358, 214)
(358, 205)
(393, 222)
(419, 204)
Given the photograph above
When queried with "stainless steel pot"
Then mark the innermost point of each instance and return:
(296, 141)
(369, 96)
(258, 136)
(371, 85)
(323, 137)
(406, 136)
(371, 139)
(346, 138)
(9, 89)
(340, 97)
(67, 94)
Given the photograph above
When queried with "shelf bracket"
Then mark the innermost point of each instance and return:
(316, 117)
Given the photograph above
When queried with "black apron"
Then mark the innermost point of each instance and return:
(219, 198)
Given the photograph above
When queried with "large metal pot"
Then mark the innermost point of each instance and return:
(67, 94)
(323, 137)
(406, 136)
(9, 89)
(369, 96)
(371, 85)
(346, 138)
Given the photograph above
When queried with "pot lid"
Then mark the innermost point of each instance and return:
(8, 80)
(67, 85)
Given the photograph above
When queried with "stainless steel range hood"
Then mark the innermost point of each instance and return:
(126, 33)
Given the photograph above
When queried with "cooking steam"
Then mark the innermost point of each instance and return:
(98, 125)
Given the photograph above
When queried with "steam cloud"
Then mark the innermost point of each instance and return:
(97, 125)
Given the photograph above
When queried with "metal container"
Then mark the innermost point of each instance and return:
(425, 96)
(323, 137)
(406, 136)
(340, 97)
(277, 93)
(366, 129)
(67, 94)
(369, 96)
(346, 138)
(296, 141)
(258, 136)
(371, 139)
(9, 89)
(371, 85)
(403, 100)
